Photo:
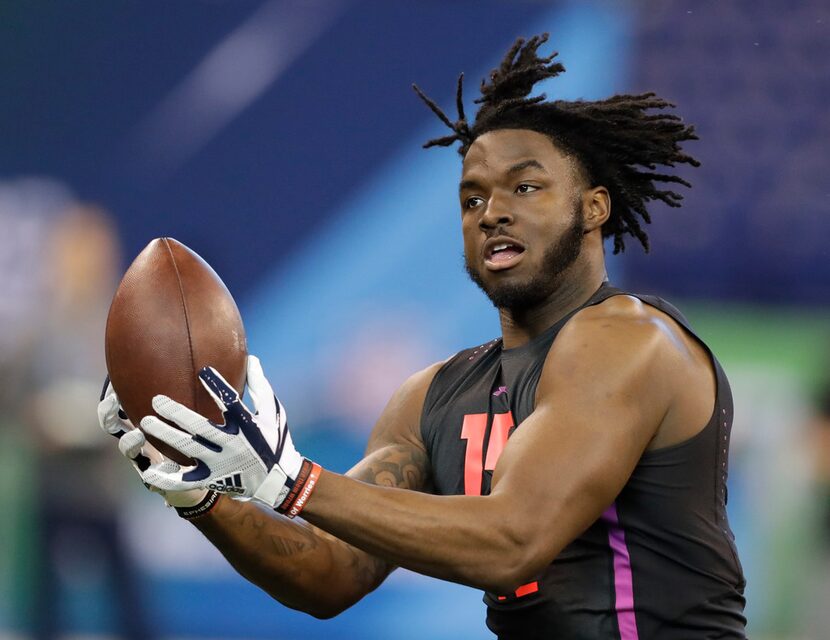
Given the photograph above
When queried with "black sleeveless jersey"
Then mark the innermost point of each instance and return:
(659, 563)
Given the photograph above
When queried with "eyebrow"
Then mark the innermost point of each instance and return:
(468, 184)
(516, 168)
(526, 164)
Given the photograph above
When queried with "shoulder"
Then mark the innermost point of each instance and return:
(395, 454)
(622, 323)
(621, 346)
(402, 414)
(400, 419)
(623, 308)
(414, 388)
(412, 393)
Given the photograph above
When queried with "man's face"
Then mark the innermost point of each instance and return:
(522, 217)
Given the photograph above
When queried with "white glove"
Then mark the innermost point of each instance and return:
(250, 456)
(133, 445)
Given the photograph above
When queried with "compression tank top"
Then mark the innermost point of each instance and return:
(659, 563)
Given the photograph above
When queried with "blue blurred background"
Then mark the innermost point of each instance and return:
(281, 141)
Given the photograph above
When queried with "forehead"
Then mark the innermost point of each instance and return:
(503, 148)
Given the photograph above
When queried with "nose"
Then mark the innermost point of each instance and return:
(498, 213)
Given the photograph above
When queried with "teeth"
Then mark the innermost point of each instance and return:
(500, 247)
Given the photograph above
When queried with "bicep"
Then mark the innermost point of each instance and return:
(565, 467)
(599, 404)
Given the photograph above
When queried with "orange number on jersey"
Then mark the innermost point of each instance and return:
(472, 430)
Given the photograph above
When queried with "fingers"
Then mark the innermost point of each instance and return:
(108, 415)
(111, 416)
(167, 476)
(163, 478)
(167, 466)
(181, 415)
(158, 473)
(223, 394)
(181, 441)
(131, 442)
(153, 455)
(260, 389)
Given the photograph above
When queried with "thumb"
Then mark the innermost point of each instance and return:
(260, 389)
(222, 393)
(131, 442)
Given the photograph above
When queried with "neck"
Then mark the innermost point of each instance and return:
(578, 284)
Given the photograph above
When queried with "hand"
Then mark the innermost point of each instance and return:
(133, 445)
(250, 456)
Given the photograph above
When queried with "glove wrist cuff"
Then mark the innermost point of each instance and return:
(198, 510)
(302, 489)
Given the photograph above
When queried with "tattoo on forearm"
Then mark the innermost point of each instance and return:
(369, 570)
(308, 548)
(401, 466)
(298, 543)
(257, 524)
(285, 547)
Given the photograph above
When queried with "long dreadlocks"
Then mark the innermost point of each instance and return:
(618, 142)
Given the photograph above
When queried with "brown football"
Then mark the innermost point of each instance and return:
(171, 316)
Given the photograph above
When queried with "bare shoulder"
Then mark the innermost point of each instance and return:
(626, 345)
(618, 344)
(623, 324)
(621, 309)
(395, 455)
(401, 417)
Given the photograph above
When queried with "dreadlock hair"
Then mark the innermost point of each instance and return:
(619, 141)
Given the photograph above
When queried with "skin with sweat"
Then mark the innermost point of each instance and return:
(621, 378)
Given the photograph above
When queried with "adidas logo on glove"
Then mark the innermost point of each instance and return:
(231, 484)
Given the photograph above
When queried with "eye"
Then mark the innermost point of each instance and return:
(526, 188)
(472, 202)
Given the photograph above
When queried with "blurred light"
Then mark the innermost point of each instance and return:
(229, 79)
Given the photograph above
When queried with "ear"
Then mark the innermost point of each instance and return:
(596, 207)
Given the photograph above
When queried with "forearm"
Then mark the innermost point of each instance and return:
(465, 539)
(294, 562)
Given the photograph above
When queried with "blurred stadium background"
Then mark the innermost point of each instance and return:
(280, 139)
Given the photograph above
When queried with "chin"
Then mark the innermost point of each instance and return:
(518, 295)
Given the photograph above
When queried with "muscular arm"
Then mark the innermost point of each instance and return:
(608, 384)
(302, 566)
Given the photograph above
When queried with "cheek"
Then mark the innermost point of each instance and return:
(470, 236)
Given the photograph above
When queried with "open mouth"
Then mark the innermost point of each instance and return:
(502, 254)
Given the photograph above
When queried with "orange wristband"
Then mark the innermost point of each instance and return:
(302, 489)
